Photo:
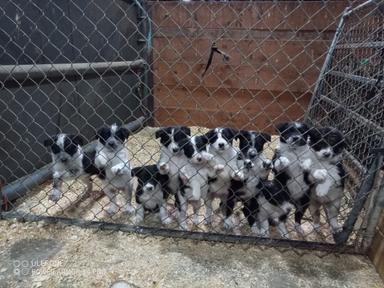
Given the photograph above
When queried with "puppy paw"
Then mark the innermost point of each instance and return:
(163, 168)
(183, 226)
(207, 156)
(281, 163)
(218, 168)
(320, 175)
(306, 164)
(112, 209)
(317, 227)
(229, 223)
(129, 209)
(336, 228)
(238, 175)
(55, 195)
(207, 220)
(138, 220)
(321, 192)
(120, 169)
(166, 220)
(196, 220)
(255, 230)
(299, 229)
(267, 164)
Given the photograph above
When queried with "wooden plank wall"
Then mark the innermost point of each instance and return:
(276, 50)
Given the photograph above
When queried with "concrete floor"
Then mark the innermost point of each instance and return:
(39, 255)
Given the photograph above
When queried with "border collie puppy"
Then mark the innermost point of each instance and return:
(221, 147)
(112, 157)
(172, 158)
(255, 167)
(151, 193)
(272, 204)
(70, 162)
(194, 179)
(291, 151)
(327, 174)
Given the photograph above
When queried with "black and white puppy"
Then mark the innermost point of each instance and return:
(221, 147)
(112, 157)
(291, 151)
(255, 166)
(70, 162)
(151, 193)
(327, 174)
(194, 179)
(172, 158)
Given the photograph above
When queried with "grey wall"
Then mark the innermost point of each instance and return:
(61, 32)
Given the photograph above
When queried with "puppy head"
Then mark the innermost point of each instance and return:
(173, 137)
(294, 134)
(112, 137)
(196, 149)
(64, 147)
(327, 142)
(148, 177)
(252, 143)
(221, 139)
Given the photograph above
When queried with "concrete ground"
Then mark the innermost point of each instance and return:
(41, 255)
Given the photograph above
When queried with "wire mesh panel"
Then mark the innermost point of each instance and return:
(210, 85)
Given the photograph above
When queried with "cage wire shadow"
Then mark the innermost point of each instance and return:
(74, 67)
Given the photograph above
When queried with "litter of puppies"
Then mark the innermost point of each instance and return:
(241, 182)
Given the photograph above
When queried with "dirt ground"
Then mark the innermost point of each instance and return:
(42, 255)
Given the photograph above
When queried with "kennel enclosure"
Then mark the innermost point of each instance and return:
(74, 66)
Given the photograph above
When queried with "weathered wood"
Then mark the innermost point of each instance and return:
(277, 50)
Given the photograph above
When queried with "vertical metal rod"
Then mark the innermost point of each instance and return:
(361, 197)
(326, 65)
(374, 216)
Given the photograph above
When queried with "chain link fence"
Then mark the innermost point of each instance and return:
(168, 71)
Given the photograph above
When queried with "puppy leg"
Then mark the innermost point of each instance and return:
(196, 209)
(139, 217)
(164, 216)
(128, 208)
(283, 230)
(208, 211)
(229, 204)
(111, 194)
(88, 185)
(182, 212)
(56, 188)
(332, 210)
(301, 207)
(264, 228)
(314, 208)
(281, 163)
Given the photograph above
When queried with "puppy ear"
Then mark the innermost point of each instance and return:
(136, 171)
(122, 133)
(281, 127)
(266, 137)
(204, 138)
(49, 142)
(240, 135)
(232, 133)
(186, 130)
(209, 134)
(77, 139)
(102, 132)
(159, 133)
(314, 134)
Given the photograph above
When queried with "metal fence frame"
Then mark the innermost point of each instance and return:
(371, 173)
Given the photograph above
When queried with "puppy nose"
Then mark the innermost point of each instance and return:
(248, 164)
(221, 145)
(198, 158)
(327, 154)
(295, 138)
(111, 144)
(64, 160)
(175, 150)
(150, 188)
(252, 154)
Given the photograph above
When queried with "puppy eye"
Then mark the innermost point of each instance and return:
(55, 149)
